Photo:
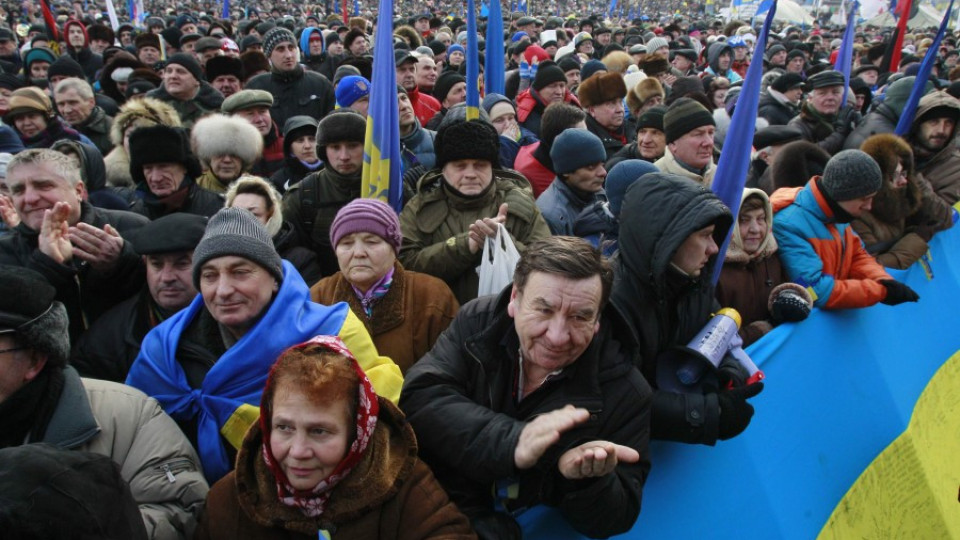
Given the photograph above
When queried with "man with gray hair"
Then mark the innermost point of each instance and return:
(79, 249)
(75, 100)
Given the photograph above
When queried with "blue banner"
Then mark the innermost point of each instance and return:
(473, 64)
(494, 69)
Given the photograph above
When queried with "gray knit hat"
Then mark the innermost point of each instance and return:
(235, 231)
(575, 148)
(851, 174)
(275, 37)
(28, 309)
(656, 43)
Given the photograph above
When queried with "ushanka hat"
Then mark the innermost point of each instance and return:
(29, 310)
(472, 139)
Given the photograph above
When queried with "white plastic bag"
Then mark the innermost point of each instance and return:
(500, 258)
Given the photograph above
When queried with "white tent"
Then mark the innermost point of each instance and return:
(926, 17)
(790, 11)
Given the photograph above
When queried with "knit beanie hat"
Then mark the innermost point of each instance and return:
(275, 37)
(590, 67)
(350, 89)
(568, 63)
(575, 148)
(65, 67)
(651, 118)
(369, 216)
(547, 74)
(445, 83)
(189, 63)
(236, 232)
(344, 71)
(851, 174)
(341, 125)
(28, 308)
(492, 98)
(456, 48)
(656, 43)
(472, 139)
(684, 116)
(621, 177)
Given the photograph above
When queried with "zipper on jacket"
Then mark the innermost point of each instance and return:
(170, 468)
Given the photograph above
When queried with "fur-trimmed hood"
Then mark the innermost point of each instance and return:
(142, 112)
(797, 163)
(408, 34)
(735, 252)
(221, 135)
(889, 151)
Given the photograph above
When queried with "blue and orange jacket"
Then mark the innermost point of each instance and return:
(825, 256)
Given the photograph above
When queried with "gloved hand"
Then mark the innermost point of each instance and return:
(525, 70)
(789, 306)
(533, 69)
(898, 293)
(847, 120)
(735, 412)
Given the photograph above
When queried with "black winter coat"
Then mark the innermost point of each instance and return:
(664, 307)
(199, 201)
(112, 343)
(611, 144)
(881, 120)
(298, 92)
(470, 375)
(774, 111)
(85, 292)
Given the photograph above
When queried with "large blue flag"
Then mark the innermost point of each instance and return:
(356, 7)
(473, 64)
(611, 8)
(910, 109)
(495, 66)
(845, 56)
(734, 163)
(381, 146)
(226, 10)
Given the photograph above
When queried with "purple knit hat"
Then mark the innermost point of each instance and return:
(370, 216)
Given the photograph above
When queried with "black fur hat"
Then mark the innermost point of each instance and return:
(472, 139)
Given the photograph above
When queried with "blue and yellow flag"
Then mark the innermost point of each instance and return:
(845, 56)
(494, 69)
(381, 147)
(910, 109)
(734, 162)
(473, 64)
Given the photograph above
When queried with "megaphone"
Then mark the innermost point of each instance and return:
(682, 369)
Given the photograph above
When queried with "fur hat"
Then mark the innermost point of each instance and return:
(352, 36)
(797, 163)
(102, 32)
(147, 39)
(600, 88)
(220, 135)
(654, 65)
(224, 65)
(341, 125)
(142, 112)
(888, 151)
(254, 62)
(160, 144)
(618, 61)
(643, 91)
(472, 139)
(28, 308)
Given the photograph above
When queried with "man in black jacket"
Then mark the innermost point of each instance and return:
(531, 397)
(663, 285)
(79, 249)
(295, 90)
(111, 345)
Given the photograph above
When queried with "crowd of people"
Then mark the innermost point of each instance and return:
(192, 285)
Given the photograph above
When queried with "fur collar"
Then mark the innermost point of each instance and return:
(386, 465)
(388, 311)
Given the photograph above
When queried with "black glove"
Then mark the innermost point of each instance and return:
(789, 306)
(735, 412)
(898, 293)
(847, 120)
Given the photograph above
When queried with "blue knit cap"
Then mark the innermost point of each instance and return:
(622, 176)
(575, 148)
(350, 89)
(590, 67)
(456, 47)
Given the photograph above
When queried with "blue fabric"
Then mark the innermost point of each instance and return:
(840, 387)
(305, 41)
(240, 374)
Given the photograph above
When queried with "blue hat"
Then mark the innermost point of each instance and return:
(456, 47)
(518, 36)
(350, 89)
(622, 176)
(575, 148)
(590, 67)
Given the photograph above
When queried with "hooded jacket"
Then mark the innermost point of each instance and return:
(90, 61)
(97, 128)
(776, 108)
(942, 169)
(93, 173)
(664, 307)
(750, 281)
(312, 62)
(713, 58)
(293, 170)
(435, 227)
(390, 494)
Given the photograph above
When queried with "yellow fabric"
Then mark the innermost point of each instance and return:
(236, 426)
(383, 373)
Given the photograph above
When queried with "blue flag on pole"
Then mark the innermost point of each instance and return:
(473, 64)
(611, 8)
(226, 10)
(734, 163)
(764, 7)
(356, 7)
(381, 176)
(910, 109)
(495, 69)
(845, 57)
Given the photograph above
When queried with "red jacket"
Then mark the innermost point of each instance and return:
(526, 164)
(425, 106)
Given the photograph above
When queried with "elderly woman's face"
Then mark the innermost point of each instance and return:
(468, 176)
(308, 440)
(236, 291)
(364, 258)
(256, 204)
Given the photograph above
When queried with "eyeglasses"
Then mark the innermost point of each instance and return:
(12, 349)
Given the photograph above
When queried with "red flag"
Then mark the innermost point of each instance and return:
(904, 8)
(50, 20)
(343, 9)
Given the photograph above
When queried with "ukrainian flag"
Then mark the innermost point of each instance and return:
(381, 147)
(473, 64)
